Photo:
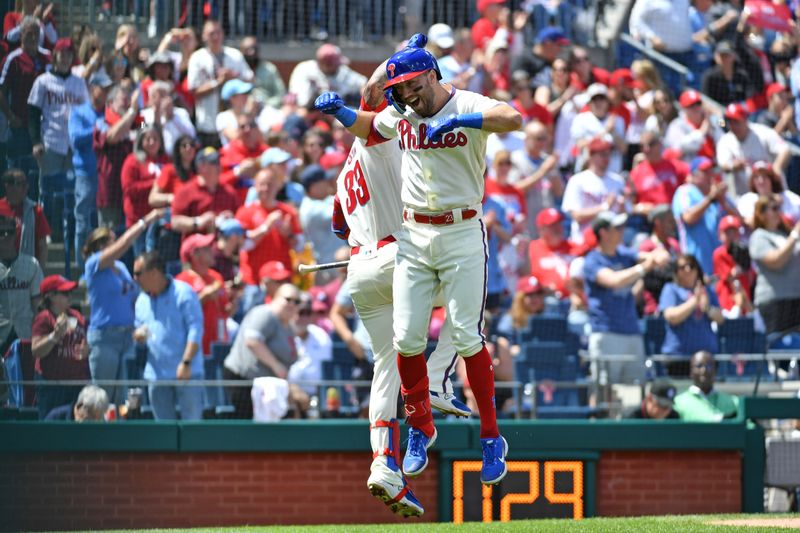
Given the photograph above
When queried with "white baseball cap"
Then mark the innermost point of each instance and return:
(441, 35)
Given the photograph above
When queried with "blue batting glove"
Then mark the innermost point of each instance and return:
(418, 40)
(331, 103)
(440, 126)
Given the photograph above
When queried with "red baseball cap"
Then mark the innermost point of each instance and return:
(689, 98)
(736, 112)
(65, 43)
(193, 242)
(275, 271)
(529, 285)
(548, 216)
(56, 283)
(623, 76)
(481, 5)
(728, 222)
(599, 144)
(775, 88)
(763, 166)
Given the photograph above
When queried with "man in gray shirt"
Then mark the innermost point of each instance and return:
(263, 347)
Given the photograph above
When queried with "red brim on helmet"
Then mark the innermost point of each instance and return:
(403, 77)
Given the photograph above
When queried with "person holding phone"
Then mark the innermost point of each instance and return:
(59, 345)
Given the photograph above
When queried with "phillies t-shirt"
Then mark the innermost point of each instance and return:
(655, 183)
(551, 265)
(273, 246)
(56, 96)
(64, 361)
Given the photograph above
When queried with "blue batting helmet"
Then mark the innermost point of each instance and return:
(409, 63)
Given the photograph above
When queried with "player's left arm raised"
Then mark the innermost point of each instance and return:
(501, 118)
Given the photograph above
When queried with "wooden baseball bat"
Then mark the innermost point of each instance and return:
(305, 269)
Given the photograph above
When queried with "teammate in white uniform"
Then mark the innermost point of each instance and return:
(368, 212)
(442, 135)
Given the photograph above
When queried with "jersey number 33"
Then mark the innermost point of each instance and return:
(356, 186)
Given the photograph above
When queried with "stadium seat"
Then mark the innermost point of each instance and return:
(655, 329)
(545, 328)
(542, 363)
(737, 336)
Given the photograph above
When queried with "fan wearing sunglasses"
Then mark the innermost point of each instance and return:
(263, 347)
(35, 229)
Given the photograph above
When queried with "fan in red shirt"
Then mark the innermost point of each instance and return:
(32, 225)
(273, 226)
(485, 27)
(523, 90)
(240, 158)
(174, 175)
(59, 344)
(551, 254)
(733, 267)
(139, 172)
(583, 73)
(197, 256)
(655, 179)
(198, 203)
(498, 187)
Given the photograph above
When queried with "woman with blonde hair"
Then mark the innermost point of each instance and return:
(528, 301)
(648, 77)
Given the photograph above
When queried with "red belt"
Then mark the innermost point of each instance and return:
(381, 243)
(441, 219)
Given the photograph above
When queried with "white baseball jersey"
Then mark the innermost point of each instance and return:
(19, 283)
(56, 96)
(203, 67)
(446, 174)
(368, 189)
(587, 189)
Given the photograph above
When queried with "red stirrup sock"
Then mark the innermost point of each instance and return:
(414, 387)
(480, 373)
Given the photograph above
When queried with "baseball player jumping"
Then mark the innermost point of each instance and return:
(442, 133)
(368, 213)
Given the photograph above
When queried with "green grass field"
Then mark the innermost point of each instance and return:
(660, 524)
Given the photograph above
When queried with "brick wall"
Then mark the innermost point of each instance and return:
(670, 482)
(145, 490)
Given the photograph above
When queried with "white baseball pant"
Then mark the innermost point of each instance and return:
(370, 276)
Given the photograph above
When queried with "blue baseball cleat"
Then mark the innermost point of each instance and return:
(449, 404)
(494, 460)
(416, 458)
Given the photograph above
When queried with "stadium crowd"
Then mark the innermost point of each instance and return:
(190, 181)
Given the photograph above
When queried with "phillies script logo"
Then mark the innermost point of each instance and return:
(410, 141)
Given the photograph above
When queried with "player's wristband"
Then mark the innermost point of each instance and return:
(471, 120)
(795, 234)
(346, 116)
